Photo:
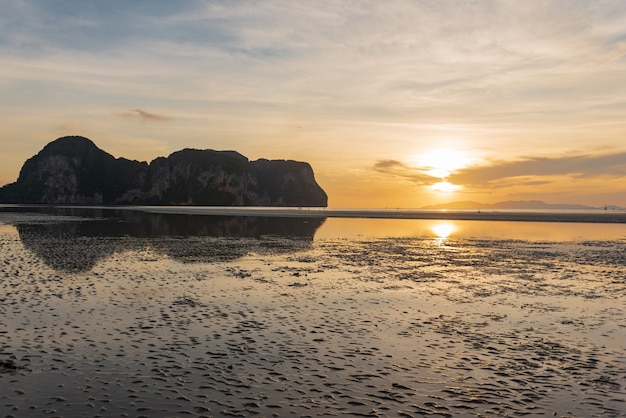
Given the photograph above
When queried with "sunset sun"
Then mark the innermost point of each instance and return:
(441, 163)
(444, 187)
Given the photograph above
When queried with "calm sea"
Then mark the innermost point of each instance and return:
(320, 223)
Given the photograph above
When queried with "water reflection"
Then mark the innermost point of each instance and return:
(74, 239)
(508, 230)
(443, 229)
(71, 239)
(115, 223)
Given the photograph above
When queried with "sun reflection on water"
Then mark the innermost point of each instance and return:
(443, 229)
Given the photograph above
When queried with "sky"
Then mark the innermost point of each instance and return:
(393, 103)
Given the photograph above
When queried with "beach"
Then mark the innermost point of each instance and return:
(145, 317)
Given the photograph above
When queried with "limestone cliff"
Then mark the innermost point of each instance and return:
(73, 170)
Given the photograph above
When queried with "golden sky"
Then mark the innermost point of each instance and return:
(393, 103)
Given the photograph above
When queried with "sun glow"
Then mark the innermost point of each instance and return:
(442, 162)
(444, 187)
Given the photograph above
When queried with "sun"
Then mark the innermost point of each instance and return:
(444, 187)
(442, 162)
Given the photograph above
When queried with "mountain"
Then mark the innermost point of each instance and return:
(509, 204)
(73, 170)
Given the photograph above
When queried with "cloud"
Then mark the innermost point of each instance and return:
(392, 60)
(528, 172)
(143, 116)
(573, 166)
(402, 170)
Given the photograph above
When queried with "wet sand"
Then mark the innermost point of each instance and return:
(330, 327)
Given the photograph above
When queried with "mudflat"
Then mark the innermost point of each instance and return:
(280, 326)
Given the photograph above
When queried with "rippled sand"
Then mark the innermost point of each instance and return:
(379, 327)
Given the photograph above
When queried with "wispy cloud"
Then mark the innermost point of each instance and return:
(404, 171)
(390, 61)
(143, 116)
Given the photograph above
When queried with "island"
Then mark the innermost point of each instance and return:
(73, 170)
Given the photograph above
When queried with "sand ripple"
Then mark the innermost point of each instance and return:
(382, 327)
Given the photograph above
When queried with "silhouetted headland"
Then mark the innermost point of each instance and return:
(73, 170)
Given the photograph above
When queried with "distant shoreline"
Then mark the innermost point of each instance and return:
(576, 216)
(473, 215)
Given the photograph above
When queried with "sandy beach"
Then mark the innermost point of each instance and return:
(272, 325)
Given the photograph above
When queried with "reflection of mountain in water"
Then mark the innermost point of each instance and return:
(79, 245)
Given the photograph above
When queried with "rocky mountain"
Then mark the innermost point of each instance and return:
(73, 170)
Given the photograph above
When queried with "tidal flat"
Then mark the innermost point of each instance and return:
(111, 317)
